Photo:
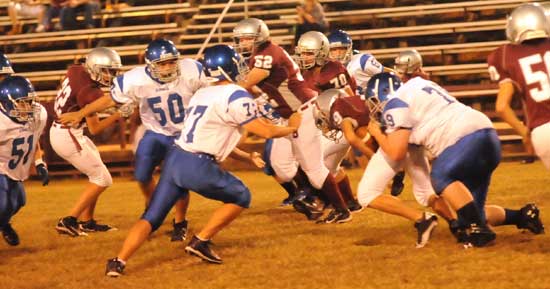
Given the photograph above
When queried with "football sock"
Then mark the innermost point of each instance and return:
(511, 217)
(345, 189)
(470, 215)
(290, 188)
(330, 190)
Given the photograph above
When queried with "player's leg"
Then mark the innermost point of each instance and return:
(282, 164)
(307, 148)
(12, 198)
(165, 196)
(457, 170)
(149, 154)
(540, 136)
(333, 154)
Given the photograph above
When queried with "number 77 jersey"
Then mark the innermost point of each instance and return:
(161, 105)
(17, 145)
(527, 67)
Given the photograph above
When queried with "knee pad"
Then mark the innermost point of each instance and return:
(317, 177)
(101, 177)
(154, 220)
(238, 194)
(285, 173)
(368, 190)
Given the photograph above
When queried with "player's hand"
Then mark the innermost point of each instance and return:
(256, 159)
(71, 118)
(295, 120)
(126, 109)
(42, 172)
(374, 128)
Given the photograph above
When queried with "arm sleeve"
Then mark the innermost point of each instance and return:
(397, 115)
(497, 69)
(120, 91)
(241, 108)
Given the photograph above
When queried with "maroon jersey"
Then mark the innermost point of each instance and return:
(527, 67)
(332, 75)
(77, 90)
(351, 107)
(281, 67)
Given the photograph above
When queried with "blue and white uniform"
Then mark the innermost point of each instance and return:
(17, 147)
(162, 109)
(212, 129)
(362, 67)
(462, 141)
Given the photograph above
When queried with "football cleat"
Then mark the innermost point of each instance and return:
(354, 206)
(93, 226)
(530, 219)
(69, 225)
(179, 234)
(202, 250)
(10, 235)
(114, 267)
(479, 236)
(425, 227)
(458, 231)
(336, 216)
(397, 185)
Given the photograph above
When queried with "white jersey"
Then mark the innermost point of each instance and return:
(436, 119)
(214, 118)
(362, 67)
(161, 105)
(18, 144)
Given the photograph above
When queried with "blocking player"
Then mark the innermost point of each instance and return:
(521, 68)
(81, 86)
(215, 118)
(22, 120)
(270, 65)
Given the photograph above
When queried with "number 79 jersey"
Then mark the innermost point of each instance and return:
(436, 119)
(17, 145)
(528, 68)
(161, 105)
(213, 120)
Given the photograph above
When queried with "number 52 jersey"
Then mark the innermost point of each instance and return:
(17, 145)
(161, 105)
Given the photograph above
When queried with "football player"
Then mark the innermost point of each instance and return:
(463, 143)
(521, 67)
(215, 118)
(322, 74)
(81, 86)
(361, 66)
(5, 67)
(162, 89)
(22, 120)
(270, 65)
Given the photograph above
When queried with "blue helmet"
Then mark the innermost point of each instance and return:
(5, 65)
(223, 63)
(158, 51)
(379, 89)
(340, 39)
(18, 99)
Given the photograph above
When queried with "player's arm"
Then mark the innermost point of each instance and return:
(505, 111)
(353, 139)
(394, 144)
(387, 69)
(255, 76)
(96, 126)
(253, 157)
(40, 166)
(74, 118)
(266, 129)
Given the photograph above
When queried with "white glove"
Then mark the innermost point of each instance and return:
(126, 109)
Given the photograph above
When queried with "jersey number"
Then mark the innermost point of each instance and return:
(62, 96)
(540, 77)
(339, 81)
(19, 153)
(430, 90)
(263, 61)
(197, 113)
(175, 108)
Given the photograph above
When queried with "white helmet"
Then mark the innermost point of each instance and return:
(528, 21)
(250, 27)
(408, 61)
(101, 59)
(323, 120)
(312, 42)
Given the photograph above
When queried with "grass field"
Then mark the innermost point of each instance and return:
(270, 247)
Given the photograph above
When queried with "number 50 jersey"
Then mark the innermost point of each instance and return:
(17, 145)
(161, 105)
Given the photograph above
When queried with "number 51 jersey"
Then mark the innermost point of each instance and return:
(18, 143)
(161, 105)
